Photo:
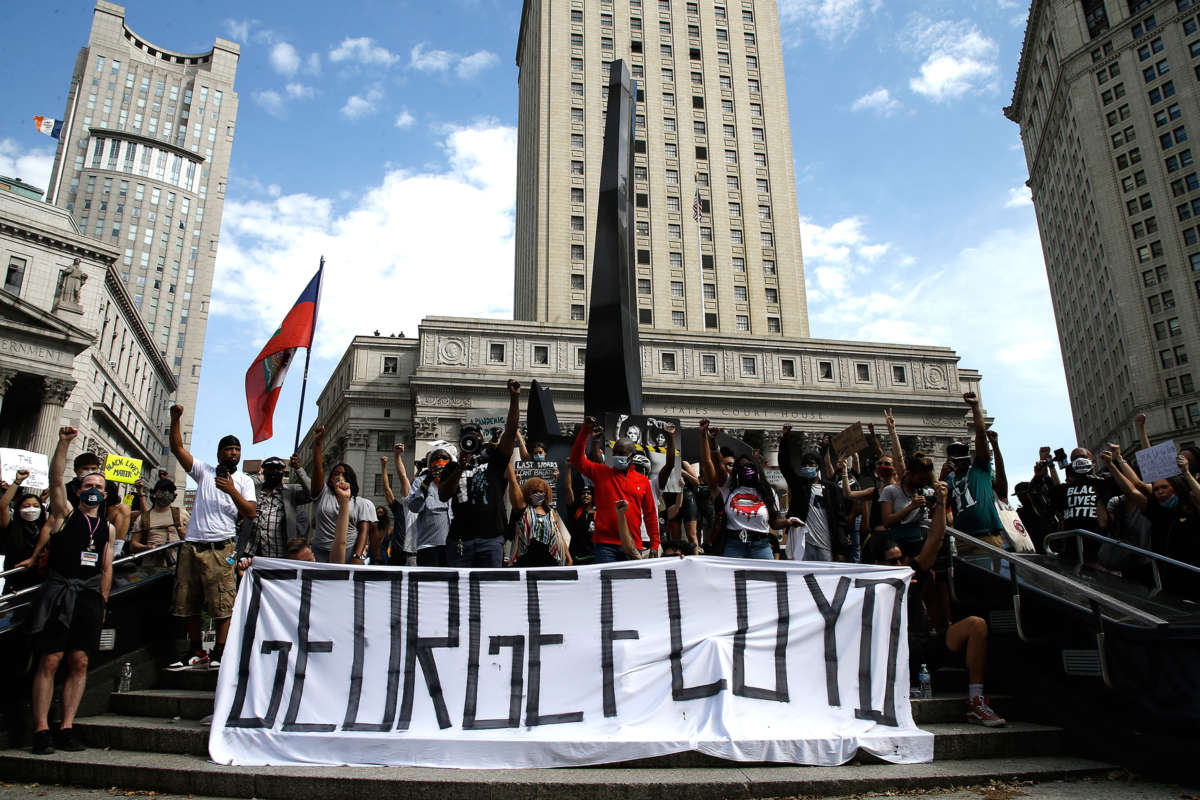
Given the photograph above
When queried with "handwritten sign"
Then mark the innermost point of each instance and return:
(487, 419)
(1158, 462)
(536, 469)
(122, 469)
(774, 476)
(38, 465)
(850, 441)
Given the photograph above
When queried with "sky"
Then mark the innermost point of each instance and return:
(382, 135)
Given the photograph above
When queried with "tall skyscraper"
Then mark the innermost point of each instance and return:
(712, 118)
(1104, 121)
(142, 165)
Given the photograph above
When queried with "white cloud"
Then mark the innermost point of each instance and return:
(880, 100)
(359, 106)
(284, 59)
(239, 29)
(393, 240)
(405, 119)
(1018, 197)
(958, 58)
(312, 65)
(363, 50)
(298, 91)
(31, 165)
(271, 101)
(426, 59)
(474, 64)
(831, 20)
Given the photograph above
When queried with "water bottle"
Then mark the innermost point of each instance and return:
(126, 677)
(926, 682)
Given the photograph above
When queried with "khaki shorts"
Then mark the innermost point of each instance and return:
(205, 577)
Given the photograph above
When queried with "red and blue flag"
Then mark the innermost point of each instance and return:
(265, 377)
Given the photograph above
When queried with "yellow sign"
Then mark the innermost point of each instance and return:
(122, 469)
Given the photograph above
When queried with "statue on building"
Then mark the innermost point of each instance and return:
(70, 289)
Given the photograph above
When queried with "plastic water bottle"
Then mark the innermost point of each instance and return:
(926, 682)
(126, 677)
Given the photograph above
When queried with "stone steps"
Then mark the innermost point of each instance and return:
(952, 740)
(185, 774)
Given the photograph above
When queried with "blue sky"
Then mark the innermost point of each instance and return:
(366, 128)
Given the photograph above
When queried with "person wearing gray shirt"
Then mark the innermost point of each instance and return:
(432, 509)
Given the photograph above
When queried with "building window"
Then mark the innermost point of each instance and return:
(787, 368)
(645, 316)
(772, 295)
(676, 288)
(581, 357)
(541, 355)
(643, 286)
(578, 281)
(675, 259)
(710, 320)
(667, 362)
(496, 353)
(577, 223)
(678, 320)
(577, 252)
(773, 325)
(577, 313)
(898, 374)
(825, 370)
(749, 365)
(710, 291)
(739, 294)
(742, 322)
(15, 275)
(576, 195)
(708, 364)
(391, 365)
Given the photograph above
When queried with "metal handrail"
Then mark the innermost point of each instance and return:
(1078, 534)
(8, 598)
(1018, 562)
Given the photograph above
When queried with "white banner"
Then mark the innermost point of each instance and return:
(791, 662)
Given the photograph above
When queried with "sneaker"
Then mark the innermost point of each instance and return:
(67, 740)
(214, 664)
(980, 713)
(43, 743)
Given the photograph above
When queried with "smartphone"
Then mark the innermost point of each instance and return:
(1060, 456)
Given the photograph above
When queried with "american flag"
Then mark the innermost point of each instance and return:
(697, 206)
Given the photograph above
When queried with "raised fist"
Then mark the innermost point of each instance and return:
(294, 461)
(787, 428)
(589, 422)
(21, 475)
(398, 448)
(514, 387)
(971, 399)
(67, 433)
(704, 424)
(176, 412)
(318, 433)
(1140, 419)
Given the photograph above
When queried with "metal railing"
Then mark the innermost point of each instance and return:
(129, 560)
(1078, 536)
(1100, 605)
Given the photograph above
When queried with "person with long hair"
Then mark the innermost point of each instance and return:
(541, 537)
(20, 531)
(750, 509)
(905, 505)
(325, 515)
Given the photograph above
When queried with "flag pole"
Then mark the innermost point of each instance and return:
(308, 351)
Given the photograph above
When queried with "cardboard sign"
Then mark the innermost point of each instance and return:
(122, 469)
(774, 476)
(850, 441)
(1158, 462)
(487, 419)
(38, 465)
(536, 469)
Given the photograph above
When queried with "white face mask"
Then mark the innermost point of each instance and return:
(31, 514)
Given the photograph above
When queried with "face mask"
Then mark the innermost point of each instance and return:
(163, 498)
(31, 514)
(91, 497)
(748, 475)
(272, 478)
(884, 472)
(962, 464)
(1170, 502)
(1081, 465)
(808, 472)
(620, 463)
(539, 458)
(537, 498)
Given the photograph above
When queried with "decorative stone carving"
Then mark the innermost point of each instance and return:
(55, 391)
(771, 440)
(6, 379)
(356, 439)
(935, 378)
(452, 351)
(425, 427)
(70, 288)
(443, 401)
(737, 433)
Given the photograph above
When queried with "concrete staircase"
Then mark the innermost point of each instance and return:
(156, 739)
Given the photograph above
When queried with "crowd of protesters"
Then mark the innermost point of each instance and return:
(466, 507)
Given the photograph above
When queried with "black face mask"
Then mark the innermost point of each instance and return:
(230, 464)
(272, 477)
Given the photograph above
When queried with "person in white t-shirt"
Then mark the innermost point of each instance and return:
(206, 560)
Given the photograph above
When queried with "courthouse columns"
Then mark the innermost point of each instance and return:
(770, 447)
(55, 392)
(6, 379)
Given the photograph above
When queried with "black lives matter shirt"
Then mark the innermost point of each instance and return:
(1079, 501)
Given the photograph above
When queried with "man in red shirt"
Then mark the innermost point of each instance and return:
(610, 484)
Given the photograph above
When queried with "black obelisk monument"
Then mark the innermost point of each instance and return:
(613, 377)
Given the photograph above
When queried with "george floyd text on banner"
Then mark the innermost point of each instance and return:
(790, 662)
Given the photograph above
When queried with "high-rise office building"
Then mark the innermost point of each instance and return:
(142, 165)
(712, 117)
(1106, 94)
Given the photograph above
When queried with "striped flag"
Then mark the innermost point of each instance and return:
(48, 126)
(265, 377)
(697, 206)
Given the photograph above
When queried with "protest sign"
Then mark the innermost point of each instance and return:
(38, 465)
(537, 469)
(122, 469)
(1158, 461)
(487, 419)
(850, 441)
(791, 662)
(775, 480)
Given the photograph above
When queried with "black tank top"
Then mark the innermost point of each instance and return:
(76, 536)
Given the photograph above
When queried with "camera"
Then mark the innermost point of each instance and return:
(1060, 456)
(421, 464)
(470, 439)
(927, 492)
